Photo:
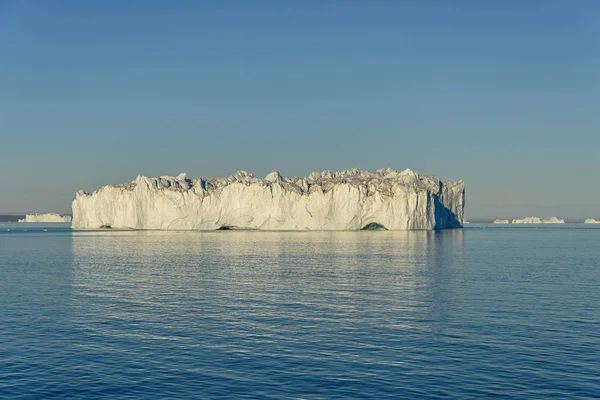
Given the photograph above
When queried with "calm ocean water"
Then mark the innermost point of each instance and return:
(511, 312)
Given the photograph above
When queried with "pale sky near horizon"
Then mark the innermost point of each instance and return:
(504, 95)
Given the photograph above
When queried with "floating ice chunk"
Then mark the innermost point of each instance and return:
(536, 220)
(49, 218)
(344, 200)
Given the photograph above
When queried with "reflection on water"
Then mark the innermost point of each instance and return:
(313, 305)
(254, 273)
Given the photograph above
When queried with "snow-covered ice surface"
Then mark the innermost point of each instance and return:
(536, 220)
(346, 200)
(47, 218)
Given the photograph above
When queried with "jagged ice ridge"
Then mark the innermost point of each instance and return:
(346, 200)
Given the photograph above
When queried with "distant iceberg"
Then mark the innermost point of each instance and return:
(48, 217)
(346, 200)
(591, 221)
(536, 220)
(500, 221)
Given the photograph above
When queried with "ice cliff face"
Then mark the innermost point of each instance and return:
(536, 220)
(345, 200)
(50, 217)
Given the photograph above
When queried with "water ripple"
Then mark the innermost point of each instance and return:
(509, 313)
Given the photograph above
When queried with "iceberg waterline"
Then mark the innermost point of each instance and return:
(345, 200)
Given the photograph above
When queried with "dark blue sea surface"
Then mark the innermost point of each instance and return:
(509, 312)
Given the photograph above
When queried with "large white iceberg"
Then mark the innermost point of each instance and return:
(536, 220)
(346, 200)
(591, 221)
(47, 218)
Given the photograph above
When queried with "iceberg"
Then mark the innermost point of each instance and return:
(591, 221)
(501, 221)
(47, 218)
(345, 200)
(536, 220)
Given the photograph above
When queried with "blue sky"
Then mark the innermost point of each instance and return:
(504, 95)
